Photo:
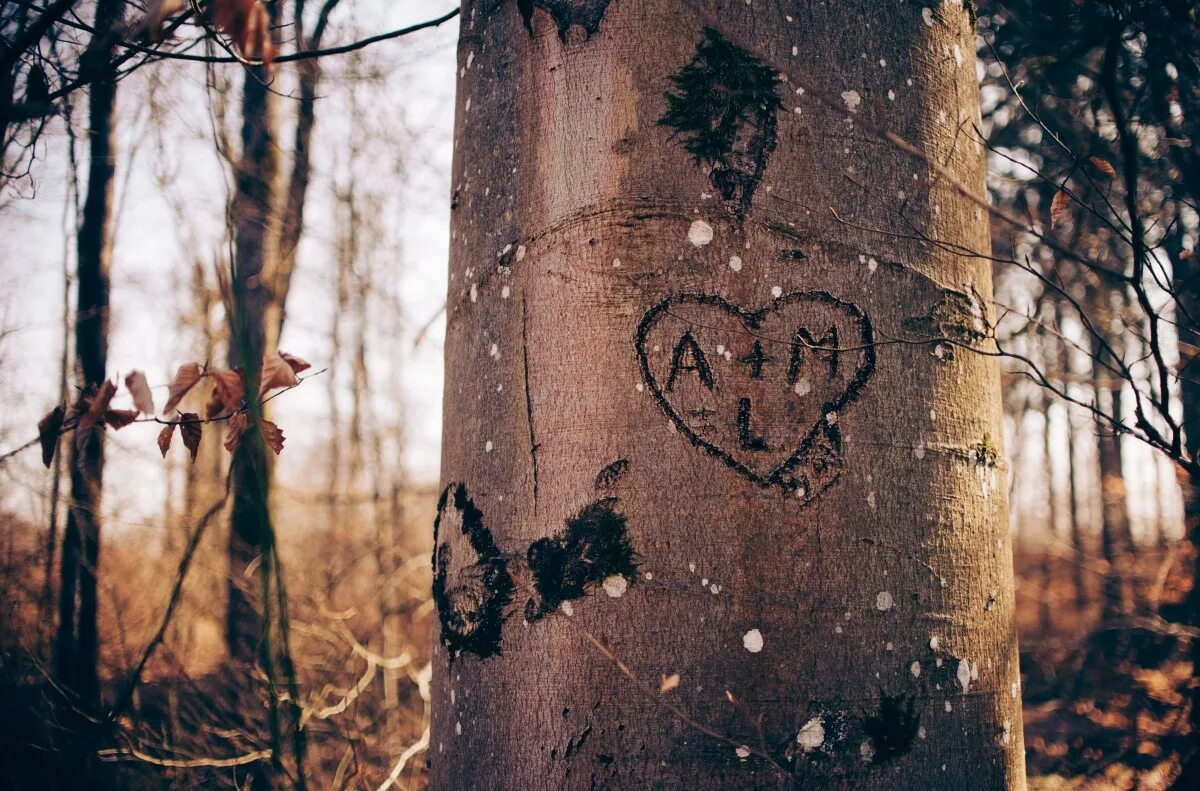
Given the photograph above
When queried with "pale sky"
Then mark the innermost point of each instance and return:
(405, 117)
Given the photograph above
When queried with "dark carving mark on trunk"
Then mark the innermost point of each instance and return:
(826, 346)
(809, 460)
(471, 601)
(792, 255)
(611, 474)
(593, 547)
(566, 13)
(748, 440)
(723, 110)
(892, 729)
(533, 446)
(687, 347)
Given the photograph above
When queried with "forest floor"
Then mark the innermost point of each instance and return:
(1104, 708)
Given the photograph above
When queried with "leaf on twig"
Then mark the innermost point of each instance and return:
(185, 379)
(1103, 166)
(48, 428)
(164, 438)
(247, 24)
(276, 372)
(157, 11)
(190, 429)
(273, 436)
(297, 365)
(97, 407)
(227, 392)
(1058, 206)
(233, 430)
(120, 418)
(140, 390)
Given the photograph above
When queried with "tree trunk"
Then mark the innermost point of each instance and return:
(1078, 546)
(77, 644)
(1050, 547)
(1187, 279)
(250, 536)
(673, 447)
(1116, 595)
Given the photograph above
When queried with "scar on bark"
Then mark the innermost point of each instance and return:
(533, 445)
(585, 14)
(956, 316)
(723, 110)
(471, 601)
(893, 728)
(594, 546)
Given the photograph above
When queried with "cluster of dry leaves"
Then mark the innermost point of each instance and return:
(227, 402)
(245, 22)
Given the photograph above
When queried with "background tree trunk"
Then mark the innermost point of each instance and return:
(255, 237)
(77, 644)
(672, 445)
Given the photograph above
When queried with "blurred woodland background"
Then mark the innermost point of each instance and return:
(189, 187)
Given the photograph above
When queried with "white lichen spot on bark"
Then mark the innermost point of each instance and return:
(915, 669)
(964, 674)
(802, 387)
(777, 291)
(866, 750)
(488, 446)
(883, 601)
(852, 100)
(752, 641)
(700, 233)
(615, 586)
(567, 609)
(735, 263)
(812, 735)
(927, 16)
(742, 752)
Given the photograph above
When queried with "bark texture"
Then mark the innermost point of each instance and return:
(77, 643)
(712, 409)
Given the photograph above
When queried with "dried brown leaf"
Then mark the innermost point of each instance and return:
(298, 365)
(164, 438)
(276, 372)
(48, 430)
(227, 390)
(120, 418)
(139, 388)
(185, 379)
(190, 428)
(157, 12)
(245, 22)
(93, 417)
(1058, 206)
(233, 431)
(1103, 166)
(273, 436)
(668, 683)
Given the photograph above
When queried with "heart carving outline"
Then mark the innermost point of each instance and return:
(819, 445)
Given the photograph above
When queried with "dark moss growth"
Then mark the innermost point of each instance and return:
(611, 474)
(584, 13)
(470, 606)
(594, 546)
(892, 729)
(723, 111)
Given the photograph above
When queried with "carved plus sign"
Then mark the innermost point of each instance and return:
(755, 359)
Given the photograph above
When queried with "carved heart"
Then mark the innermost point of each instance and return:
(760, 390)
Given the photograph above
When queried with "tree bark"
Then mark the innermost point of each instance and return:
(680, 441)
(256, 236)
(77, 642)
